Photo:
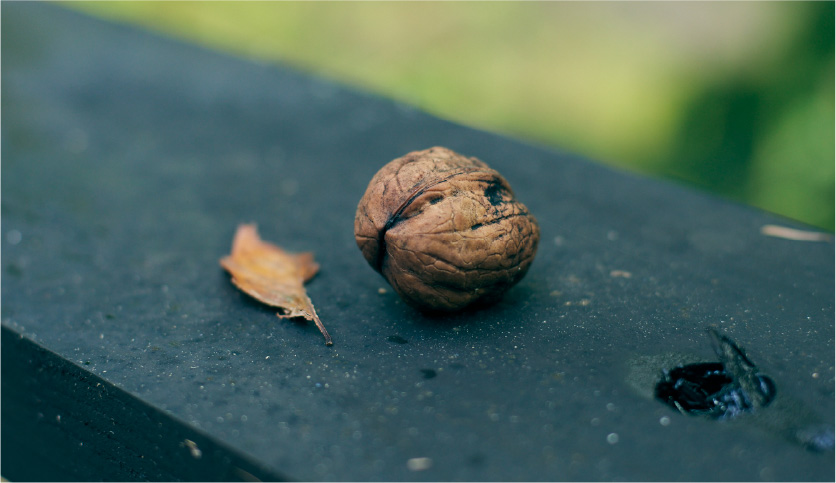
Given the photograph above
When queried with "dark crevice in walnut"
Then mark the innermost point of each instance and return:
(498, 220)
(495, 194)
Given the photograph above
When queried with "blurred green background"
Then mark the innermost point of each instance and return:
(734, 97)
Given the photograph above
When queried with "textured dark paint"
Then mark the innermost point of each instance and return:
(128, 161)
(62, 423)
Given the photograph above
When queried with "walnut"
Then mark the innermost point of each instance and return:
(445, 230)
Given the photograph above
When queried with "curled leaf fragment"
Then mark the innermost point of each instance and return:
(273, 276)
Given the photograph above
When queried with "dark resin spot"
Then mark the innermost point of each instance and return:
(706, 389)
(719, 390)
(397, 339)
(428, 373)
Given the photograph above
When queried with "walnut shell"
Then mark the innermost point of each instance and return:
(445, 230)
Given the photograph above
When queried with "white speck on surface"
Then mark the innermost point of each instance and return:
(595, 421)
(612, 438)
(419, 464)
(76, 141)
(14, 237)
(665, 421)
(381, 290)
(793, 234)
(289, 187)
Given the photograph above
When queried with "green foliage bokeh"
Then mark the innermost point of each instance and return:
(736, 98)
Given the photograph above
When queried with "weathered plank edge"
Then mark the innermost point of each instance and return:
(80, 427)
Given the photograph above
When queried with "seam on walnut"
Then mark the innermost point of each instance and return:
(395, 217)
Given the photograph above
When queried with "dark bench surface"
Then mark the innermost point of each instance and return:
(128, 161)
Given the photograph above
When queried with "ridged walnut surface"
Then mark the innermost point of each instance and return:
(445, 230)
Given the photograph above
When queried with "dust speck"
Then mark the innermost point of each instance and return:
(13, 237)
(419, 464)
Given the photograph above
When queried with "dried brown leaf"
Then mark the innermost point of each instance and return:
(273, 276)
